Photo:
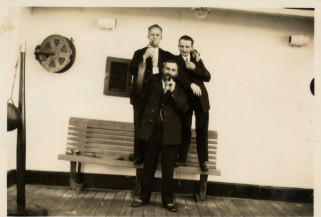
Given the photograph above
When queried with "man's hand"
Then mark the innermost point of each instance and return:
(169, 85)
(196, 55)
(196, 90)
(172, 85)
(148, 53)
(190, 66)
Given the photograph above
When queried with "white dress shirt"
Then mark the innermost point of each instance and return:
(155, 59)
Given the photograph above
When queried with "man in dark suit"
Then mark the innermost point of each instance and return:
(193, 74)
(145, 64)
(161, 130)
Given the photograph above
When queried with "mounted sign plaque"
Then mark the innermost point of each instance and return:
(117, 77)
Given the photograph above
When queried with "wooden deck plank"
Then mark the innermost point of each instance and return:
(58, 204)
(252, 208)
(149, 209)
(94, 204)
(83, 203)
(32, 198)
(41, 199)
(116, 204)
(192, 208)
(56, 194)
(271, 208)
(239, 203)
(11, 195)
(264, 209)
(277, 206)
(233, 209)
(296, 209)
(224, 210)
(307, 209)
(212, 207)
(203, 209)
(12, 188)
(289, 210)
(70, 207)
(159, 209)
(126, 209)
(105, 204)
(181, 206)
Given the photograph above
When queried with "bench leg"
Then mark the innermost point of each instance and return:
(79, 184)
(75, 177)
(139, 175)
(202, 189)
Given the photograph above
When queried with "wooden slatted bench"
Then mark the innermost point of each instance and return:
(110, 143)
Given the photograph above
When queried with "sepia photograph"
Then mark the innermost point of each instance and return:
(158, 110)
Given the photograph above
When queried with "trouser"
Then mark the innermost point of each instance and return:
(201, 125)
(138, 144)
(168, 156)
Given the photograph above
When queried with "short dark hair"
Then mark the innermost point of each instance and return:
(155, 26)
(186, 38)
(172, 61)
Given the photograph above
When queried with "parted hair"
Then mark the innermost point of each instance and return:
(186, 38)
(155, 26)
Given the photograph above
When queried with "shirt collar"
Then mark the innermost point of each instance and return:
(154, 48)
(188, 58)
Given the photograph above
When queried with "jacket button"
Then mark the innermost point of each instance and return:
(146, 80)
(150, 120)
(153, 110)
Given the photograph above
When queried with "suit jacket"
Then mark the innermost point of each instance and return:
(173, 105)
(139, 97)
(198, 76)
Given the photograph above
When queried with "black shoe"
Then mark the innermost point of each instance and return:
(171, 207)
(131, 157)
(138, 161)
(204, 167)
(137, 203)
(180, 163)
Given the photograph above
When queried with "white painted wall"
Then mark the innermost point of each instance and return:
(259, 92)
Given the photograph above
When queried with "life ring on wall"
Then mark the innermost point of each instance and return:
(13, 116)
(56, 53)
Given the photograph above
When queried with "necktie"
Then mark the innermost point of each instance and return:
(186, 59)
(155, 59)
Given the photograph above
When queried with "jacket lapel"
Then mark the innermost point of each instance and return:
(160, 58)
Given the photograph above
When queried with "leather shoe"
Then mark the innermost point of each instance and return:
(204, 167)
(131, 157)
(138, 161)
(137, 203)
(171, 207)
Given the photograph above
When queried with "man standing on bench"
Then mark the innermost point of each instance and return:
(161, 130)
(191, 77)
(146, 63)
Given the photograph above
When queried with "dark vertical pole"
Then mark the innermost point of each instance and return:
(21, 136)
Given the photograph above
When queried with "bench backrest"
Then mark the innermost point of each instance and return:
(114, 140)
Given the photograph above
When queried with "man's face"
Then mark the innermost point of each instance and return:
(185, 47)
(170, 69)
(155, 36)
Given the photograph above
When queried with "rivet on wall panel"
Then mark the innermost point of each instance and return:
(298, 40)
(107, 23)
(201, 12)
(5, 24)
